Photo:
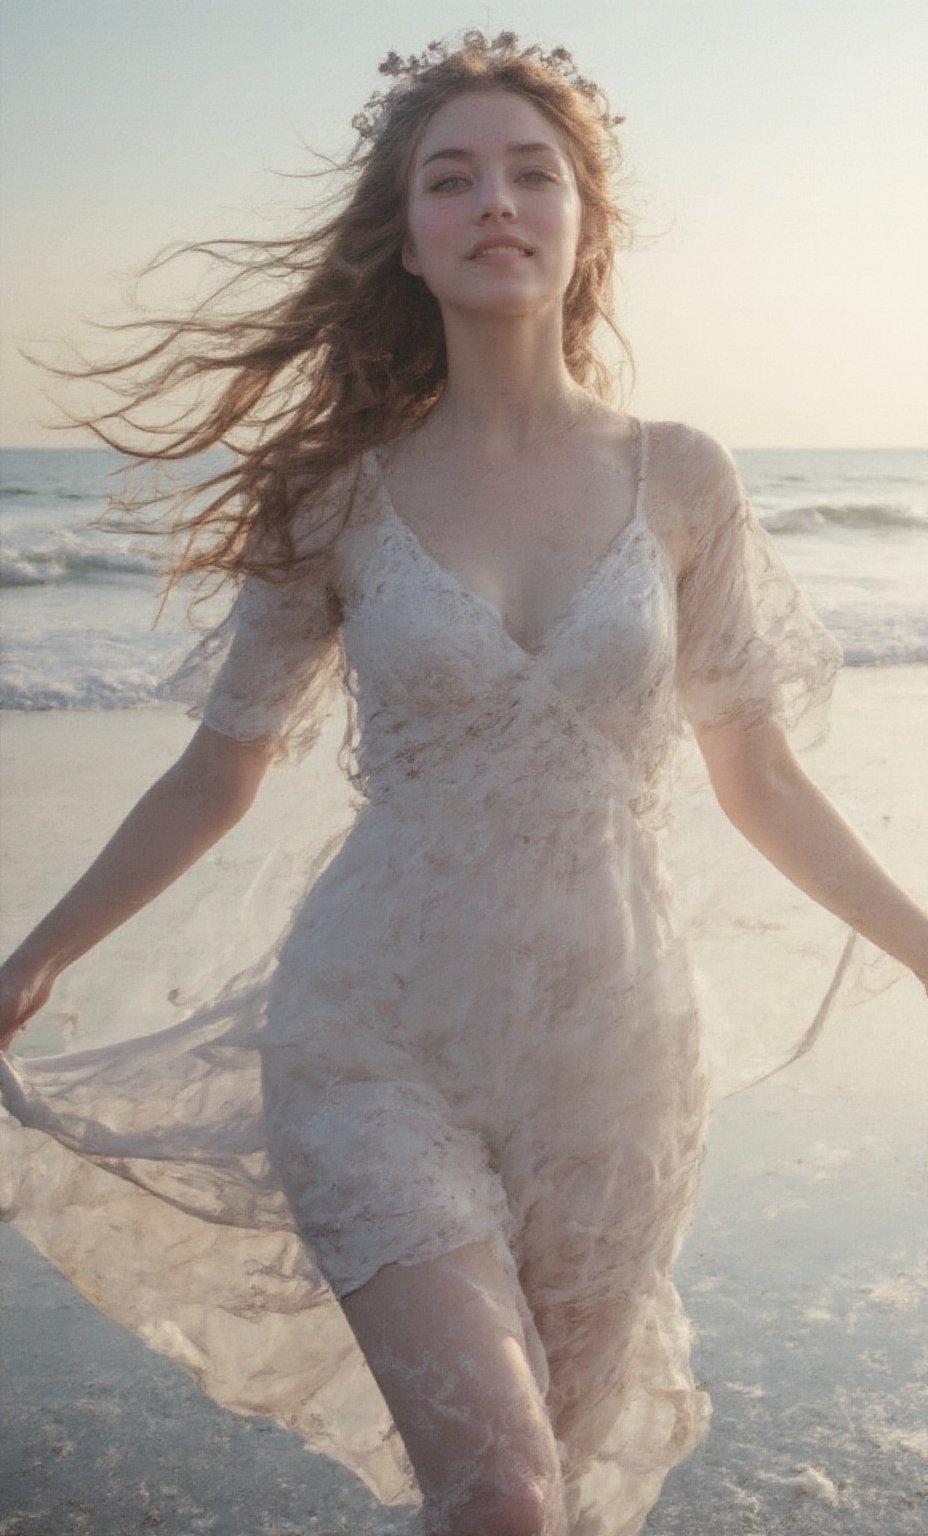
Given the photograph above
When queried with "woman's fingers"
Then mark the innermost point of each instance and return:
(20, 997)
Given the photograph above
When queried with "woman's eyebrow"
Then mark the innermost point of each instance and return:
(467, 154)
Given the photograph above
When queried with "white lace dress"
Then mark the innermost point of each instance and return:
(481, 1021)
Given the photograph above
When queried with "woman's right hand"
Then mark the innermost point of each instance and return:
(23, 991)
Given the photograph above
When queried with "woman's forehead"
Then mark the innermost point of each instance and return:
(482, 121)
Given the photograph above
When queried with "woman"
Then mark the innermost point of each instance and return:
(464, 1106)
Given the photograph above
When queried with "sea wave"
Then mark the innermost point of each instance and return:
(94, 691)
(901, 651)
(68, 557)
(22, 492)
(812, 517)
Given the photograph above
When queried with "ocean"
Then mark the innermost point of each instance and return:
(79, 603)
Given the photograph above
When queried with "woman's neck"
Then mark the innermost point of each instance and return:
(508, 386)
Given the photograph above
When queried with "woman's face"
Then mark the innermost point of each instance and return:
(494, 215)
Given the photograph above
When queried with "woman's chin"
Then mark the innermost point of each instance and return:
(503, 301)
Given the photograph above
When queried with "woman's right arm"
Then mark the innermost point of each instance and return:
(189, 808)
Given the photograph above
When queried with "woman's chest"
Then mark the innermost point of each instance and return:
(515, 539)
(418, 634)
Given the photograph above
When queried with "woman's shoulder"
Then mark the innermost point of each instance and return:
(323, 519)
(687, 456)
(683, 459)
(692, 480)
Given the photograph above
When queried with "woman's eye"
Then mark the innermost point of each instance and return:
(454, 180)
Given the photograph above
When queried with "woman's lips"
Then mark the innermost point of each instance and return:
(499, 248)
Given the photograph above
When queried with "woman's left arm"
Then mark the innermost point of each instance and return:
(767, 795)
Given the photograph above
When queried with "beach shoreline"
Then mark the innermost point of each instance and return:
(806, 1272)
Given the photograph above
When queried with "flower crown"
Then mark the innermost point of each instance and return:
(368, 122)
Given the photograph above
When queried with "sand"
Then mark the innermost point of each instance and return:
(806, 1272)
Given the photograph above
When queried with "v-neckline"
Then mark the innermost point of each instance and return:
(615, 547)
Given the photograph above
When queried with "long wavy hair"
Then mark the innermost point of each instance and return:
(350, 352)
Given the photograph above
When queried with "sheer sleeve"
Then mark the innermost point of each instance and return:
(749, 645)
(269, 670)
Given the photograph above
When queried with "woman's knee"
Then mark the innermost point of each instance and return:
(509, 1503)
(444, 1340)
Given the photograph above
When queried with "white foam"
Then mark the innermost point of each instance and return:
(862, 514)
(69, 555)
(810, 1481)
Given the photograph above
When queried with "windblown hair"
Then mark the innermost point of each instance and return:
(352, 352)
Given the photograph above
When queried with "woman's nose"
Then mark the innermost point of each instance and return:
(495, 198)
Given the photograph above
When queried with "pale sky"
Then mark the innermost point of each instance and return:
(778, 295)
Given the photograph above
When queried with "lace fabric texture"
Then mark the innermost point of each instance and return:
(481, 1025)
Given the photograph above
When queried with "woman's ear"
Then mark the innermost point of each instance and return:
(409, 258)
(589, 241)
(590, 238)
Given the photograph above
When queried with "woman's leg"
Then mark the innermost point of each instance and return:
(621, 1399)
(446, 1343)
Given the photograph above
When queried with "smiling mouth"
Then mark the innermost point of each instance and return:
(500, 250)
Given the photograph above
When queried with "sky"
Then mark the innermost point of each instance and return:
(776, 295)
